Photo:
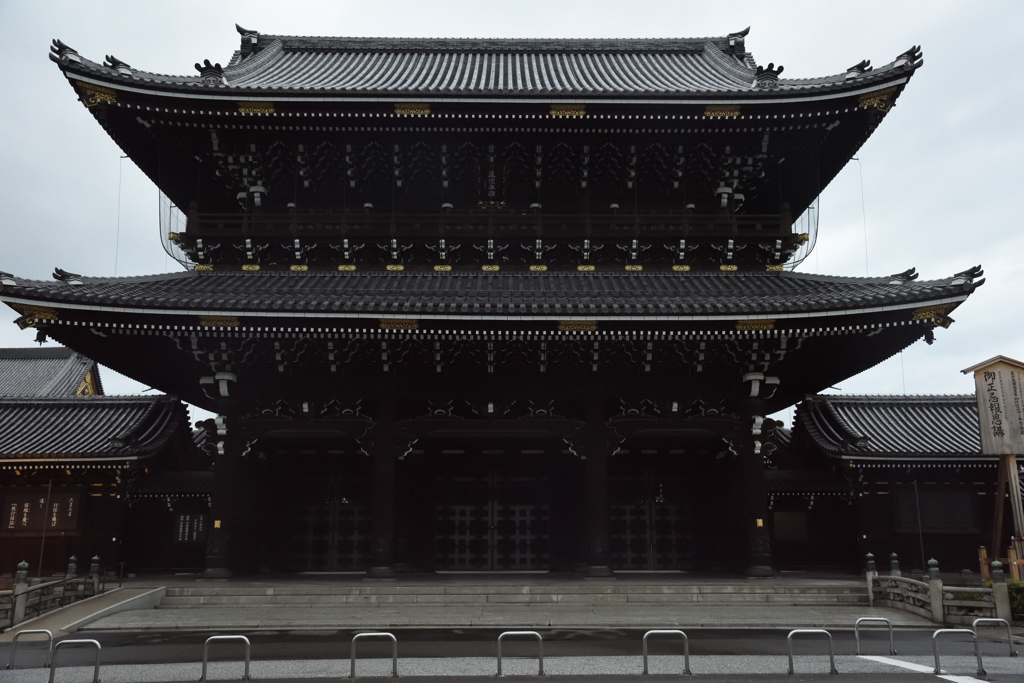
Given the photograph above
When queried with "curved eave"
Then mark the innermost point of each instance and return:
(866, 84)
(553, 317)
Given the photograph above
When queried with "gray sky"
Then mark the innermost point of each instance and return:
(942, 175)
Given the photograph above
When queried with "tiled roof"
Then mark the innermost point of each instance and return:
(87, 427)
(43, 372)
(508, 294)
(443, 67)
(893, 427)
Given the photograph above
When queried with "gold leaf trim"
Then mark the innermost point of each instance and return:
(774, 268)
(298, 269)
(803, 237)
(681, 269)
(577, 325)
(88, 386)
(37, 312)
(394, 267)
(443, 269)
(728, 268)
(218, 321)
(412, 108)
(399, 324)
(755, 324)
(490, 268)
(255, 107)
(880, 99)
(634, 268)
(722, 110)
(346, 267)
(568, 110)
(94, 94)
(250, 266)
(203, 266)
(174, 237)
(538, 269)
(586, 269)
(936, 311)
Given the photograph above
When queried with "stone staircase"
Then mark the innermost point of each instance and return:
(534, 593)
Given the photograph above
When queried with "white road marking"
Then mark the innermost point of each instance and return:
(920, 668)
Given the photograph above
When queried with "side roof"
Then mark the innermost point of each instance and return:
(87, 428)
(892, 427)
(446, 67)
(47, 372)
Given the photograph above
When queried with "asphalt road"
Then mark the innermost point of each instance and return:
(149, 648)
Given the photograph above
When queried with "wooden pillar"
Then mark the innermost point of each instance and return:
(383, 450)
(753, 503)
(596, 443)
(225, 552)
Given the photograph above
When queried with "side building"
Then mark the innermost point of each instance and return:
(73, 462)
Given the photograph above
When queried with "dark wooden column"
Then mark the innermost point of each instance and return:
(227, 532)
(753, 503)
(382, 447)
(595, 442)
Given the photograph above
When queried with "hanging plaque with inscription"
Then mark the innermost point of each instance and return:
(999, 384)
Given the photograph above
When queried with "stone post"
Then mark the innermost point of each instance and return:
(870, 572)
(94, 571)
(72, 568)
(1000, 592)
(20, 593)
(935, 592)
(894, 565)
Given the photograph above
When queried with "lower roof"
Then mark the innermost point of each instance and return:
(45, 371)
(499, 295)
(893, 427)
(87, 428)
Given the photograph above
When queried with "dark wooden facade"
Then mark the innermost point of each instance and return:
(500, 305)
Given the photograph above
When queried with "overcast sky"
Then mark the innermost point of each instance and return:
(942, 176)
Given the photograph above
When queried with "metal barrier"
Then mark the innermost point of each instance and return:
(974, 625)
(686, 648)
(977, 649)
(879, 620)
(206, 653)
(831, 654)
(19, 634)
(394, 651)
(65, 643)
(540, 648)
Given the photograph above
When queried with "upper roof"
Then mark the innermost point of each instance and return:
(893, 427)
(87, 427)
(507, 295)
(46, 372)
(445, 67)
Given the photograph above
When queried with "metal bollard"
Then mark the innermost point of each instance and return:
(878, 620)
(977, 649)
(974, 625)
(540, 648)
(686, 648)
(206, 653)
(394, 651)
(19, 634)
(64, 643)
(831, 654)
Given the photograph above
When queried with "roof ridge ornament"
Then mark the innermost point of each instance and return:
(7, 280)
(768, 77)
(65, 276)
(913, 57)
(211, 73)
(64, 52)
(249, 40)
(113, 62)
(908, 275)
(967, 277)
(861, 67)
(737, 44)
